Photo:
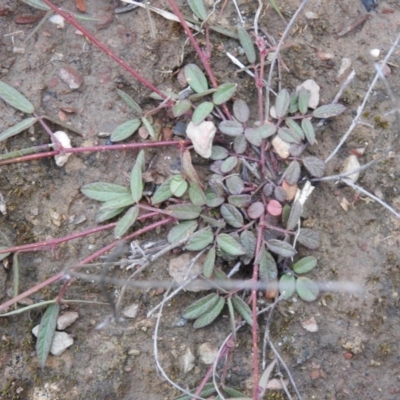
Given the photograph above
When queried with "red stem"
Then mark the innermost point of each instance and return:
(71, 19)
(96, 148)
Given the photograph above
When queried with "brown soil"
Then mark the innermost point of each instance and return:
(355, 352)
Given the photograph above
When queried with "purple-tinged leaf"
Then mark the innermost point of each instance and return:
(287, 285)
(248, 241)
(268, 189)
(268, 270)
(280, 193)
(234, 184)
(328, 111)
(281, 248)
(46, 332)
(308, 130)
(315, 166)
(292, 173)
(308, 238)
(305, 265)
(188, 169)
(241, 110)
(307, 289)
(231, 128)
(282, 103)
(232, 215)
(256, 210)
(231, 246)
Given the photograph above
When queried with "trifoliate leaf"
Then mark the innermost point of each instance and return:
(241, 110)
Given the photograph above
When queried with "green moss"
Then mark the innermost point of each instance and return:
(380, 122)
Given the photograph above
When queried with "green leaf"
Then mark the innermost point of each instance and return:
(235, 393)
(213, 222)
(199, 240)
(282, 248)
(328, 111)
(15, 98)
(289, 136)
(308, 130)
(123, 200)
(4, 255)
(276, 8)
(294, 103)
(218, 153)
(104, 191)
(195, 78)
(231, 128)
(248, 241)
(46, 332)
(14, 130)
(295, 127)
(239, 200)
(37, 4)
(210, 315)
(196, 194)
(198, 96)
(268, 269)
(184, 211)
(304, 99)
(209, 263)
(308, 238)
(265, 131)
(149, 128)
(129, 101)
(224, 93)
(104, 215)
(294, 217)
(163, 192)
(253, 136)
(126, 221)
(181, 107)
(287, 284)
(202, 111)
(241, 110)
(136, 178)
(307, 289)
(240, 144)
(315, 166)
(282, 103)
(292, 173)
(198, 8)
(232, 215)
(229, 164)
(235, 184)
(123, 131)
(247, 43)
(181, 231)
(208, 390)
(243, 309)
(230, 245)
(305, 265)
(201, 306)
(178, 185)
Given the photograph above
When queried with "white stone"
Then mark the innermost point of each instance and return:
(344, 66)
(281, 147)
(66, 319)
(351, 163)
(61, 341)
(310, 324)
(186, 361)
(202, 136)
(65, 141)
(57, 20)
(131, 311)
(375, 53)
(208, 353)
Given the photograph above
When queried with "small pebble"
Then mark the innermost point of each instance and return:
(208, 353)
(310, 324)
(71, 77)
(348, 356)
(131, 311)
(66, 319)
(61, 341)
(375, 53)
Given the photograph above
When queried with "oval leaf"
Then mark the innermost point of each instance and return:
(234, 184)
(199, 241)
(315, 166)
(248, 241)
(108, 213)
(239, 200)
(241, 110)
(305, 265)
(181, 107)
(267, 266)
(265, 131)
(289, 136)
(295, 127)
(201, 306)
(123, 131)
(163, 192)
(287, 285)
(103, 191)
(232, 215)
(126, 221)
(14, 130)
(282, 103)
(124, 200)
(304, 100)
(210, 315)
(202, 111)
(196, 194)
(218, 153)
(308, 238)
(282, 248)
(136, 178)
(292, 173)
(224, 93)
(242, 308)
(209, 263)
(184, 211)
(181, 231)
(328, 111)
(247, 43)
(307, 289)
(178, 185)
(195, 78)
(129, 101)
(231, 246)
(240, 144)
(231, 128)
(255, 210)
(46, 332)
(229, 164)
(294, 216)
(308, 130)
(15, 98)
(253, 136)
